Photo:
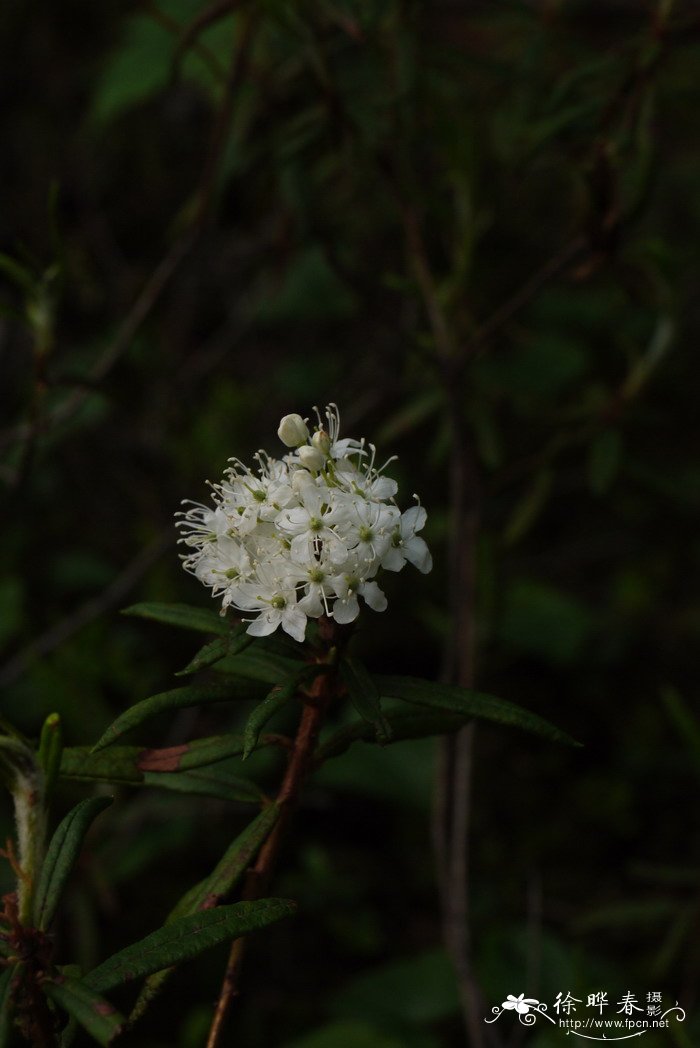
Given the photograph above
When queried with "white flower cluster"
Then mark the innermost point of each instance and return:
(304, 535)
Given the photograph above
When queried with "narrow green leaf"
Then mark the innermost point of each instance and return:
(50, 748)
(259, 664)
(416, 724)
(6, 1007)
(186, 938)
(210, 891)
(196, 754)
(216, 650)
(275, 700)
(62, 856)
(93, 1012)
(364, 696)
(118, 764)
(185, 617)
(231, 867)
(208, 784)
(469, 703)
(176, 699)
(128, 765)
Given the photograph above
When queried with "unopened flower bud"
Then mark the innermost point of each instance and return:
(293, 431)
(321, 441)
(311, 458)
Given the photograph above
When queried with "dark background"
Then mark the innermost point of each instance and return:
(214, 216)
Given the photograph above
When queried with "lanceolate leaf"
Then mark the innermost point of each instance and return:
(409, 725)
(364, 696)
(185, 617)
(121, 765)
(257, 663)
(128, 764)
(208, 784)
(280, 694)
(50, 747)
(118, 764)
(469, 704)
(209, 892)
(186, 938)
(195, 754)
(96, 1015)
(62, 856)
(178, 698)
(231, 867)
(218, 649)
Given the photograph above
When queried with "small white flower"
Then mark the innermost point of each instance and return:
(304, 535)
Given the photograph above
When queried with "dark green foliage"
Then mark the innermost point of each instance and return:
(186, 938)
(467, 703)
(93, 1013)
(199, 235)
(62, 855)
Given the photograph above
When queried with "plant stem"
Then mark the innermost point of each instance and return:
(320, 694)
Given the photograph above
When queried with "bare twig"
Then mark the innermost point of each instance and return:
(88, 612)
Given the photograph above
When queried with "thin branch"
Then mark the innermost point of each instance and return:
(258, 878)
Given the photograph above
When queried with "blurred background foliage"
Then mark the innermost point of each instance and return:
(214, 215)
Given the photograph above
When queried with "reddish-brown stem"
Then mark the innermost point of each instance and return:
(259, 875)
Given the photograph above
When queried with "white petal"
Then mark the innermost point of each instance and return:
(418, 553)
(373, 596)
(413, 519)
(266, 623)
(294, 622)
(346, 610)
(393, 559)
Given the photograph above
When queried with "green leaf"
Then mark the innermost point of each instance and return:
(210, 891)
(364, 696)
(209, 784)
(196, 754)
(469, 703)
(96, 1015)
(176, 699)
(62, 856)
(231, 867)
(6, 1007)
(412, 724)
(258, 664)
(50, 749)
(258, 718)
(118, 764)
(218, 649)
(181, 615)
(186, 938)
